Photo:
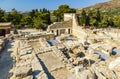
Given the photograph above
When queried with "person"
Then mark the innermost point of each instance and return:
(109, 27)
(12, 38)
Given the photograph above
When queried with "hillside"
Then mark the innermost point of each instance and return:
(110, 5)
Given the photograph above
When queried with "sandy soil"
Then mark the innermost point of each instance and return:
(62, 73)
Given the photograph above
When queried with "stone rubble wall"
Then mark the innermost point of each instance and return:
(77, 30)
(99, 71)
(37, 35)
(44, 42)
(68, 16)
(3, 41)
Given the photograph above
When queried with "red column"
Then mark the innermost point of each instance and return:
(7, 31)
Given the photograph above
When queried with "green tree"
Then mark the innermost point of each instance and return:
(116, 21)
(38, 24)
(98, 15)
(26, 21)
(44, 15)
(93, 22)
(15, 17)
(2, 13)
(59, 13)
(89, 17)
(40, 18)
(111, 23)
(105, 21)
(84, 17)
(32, 13)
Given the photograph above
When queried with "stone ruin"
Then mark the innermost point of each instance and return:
(3, 42)
(26, 63)
(85, 53)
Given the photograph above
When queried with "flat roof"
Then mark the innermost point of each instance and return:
(5, 24)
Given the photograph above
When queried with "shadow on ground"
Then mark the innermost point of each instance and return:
(45, 69)
(6, 61)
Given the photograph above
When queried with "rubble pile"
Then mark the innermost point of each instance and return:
(96, 71)
(95, 61)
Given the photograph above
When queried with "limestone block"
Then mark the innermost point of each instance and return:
(82, 75)
(99, 75)
(27, 56)
(69, 66)
(13, 77)
(28, 77)
(26, 51)
(23, 64)
(26, 46)
(43, 76)
(114, 63)
(22, 72)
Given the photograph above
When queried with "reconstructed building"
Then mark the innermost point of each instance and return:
(71, 25)
(5, 28)
(59, 28)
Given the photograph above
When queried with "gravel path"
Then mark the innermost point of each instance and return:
(6, 61)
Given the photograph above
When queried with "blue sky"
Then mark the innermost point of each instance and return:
(27, 5)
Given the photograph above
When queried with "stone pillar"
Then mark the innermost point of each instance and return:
(66, 31)
(59, 32)
(56, 32)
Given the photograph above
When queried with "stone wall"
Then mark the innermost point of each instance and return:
(47, 36)
(68, 16)
(77, 30)
(60, 31)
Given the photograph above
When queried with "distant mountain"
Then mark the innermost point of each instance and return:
(110, 5)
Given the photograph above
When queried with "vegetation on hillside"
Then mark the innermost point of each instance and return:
(102, 14)
(113, 12)
(99, 19)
